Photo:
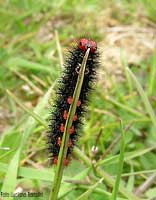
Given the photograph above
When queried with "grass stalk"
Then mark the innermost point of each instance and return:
(87, 193)
(125, 64)
(120, 165)
(152, 74)
(144, 97)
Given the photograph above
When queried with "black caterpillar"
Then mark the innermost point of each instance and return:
(64, 97)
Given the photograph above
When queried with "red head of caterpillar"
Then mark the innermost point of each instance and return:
(64, 97)
(84, 44)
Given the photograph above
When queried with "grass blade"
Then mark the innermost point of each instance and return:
(124, 107)
(152, 80)
(125, 64)
(128, 156)
(21, 62)
(144, 97)
(86, 194)
(11, 176)
(120, 165)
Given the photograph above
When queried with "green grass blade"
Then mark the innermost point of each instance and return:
(120, 165)
(131, 180)
(106, 195)
(124, 107)
(125, 64)
(139, 172)
(20, 62)
(128, 156)
(11, 176)
(63, 149)
(86, 194)
(152, 75)
(31, 173)
(144, 97)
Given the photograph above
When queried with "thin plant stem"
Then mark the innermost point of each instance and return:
(144, 97)
(120, 165)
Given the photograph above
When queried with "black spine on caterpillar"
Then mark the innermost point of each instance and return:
(65, 94)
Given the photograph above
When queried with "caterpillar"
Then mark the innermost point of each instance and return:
(64, 97)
